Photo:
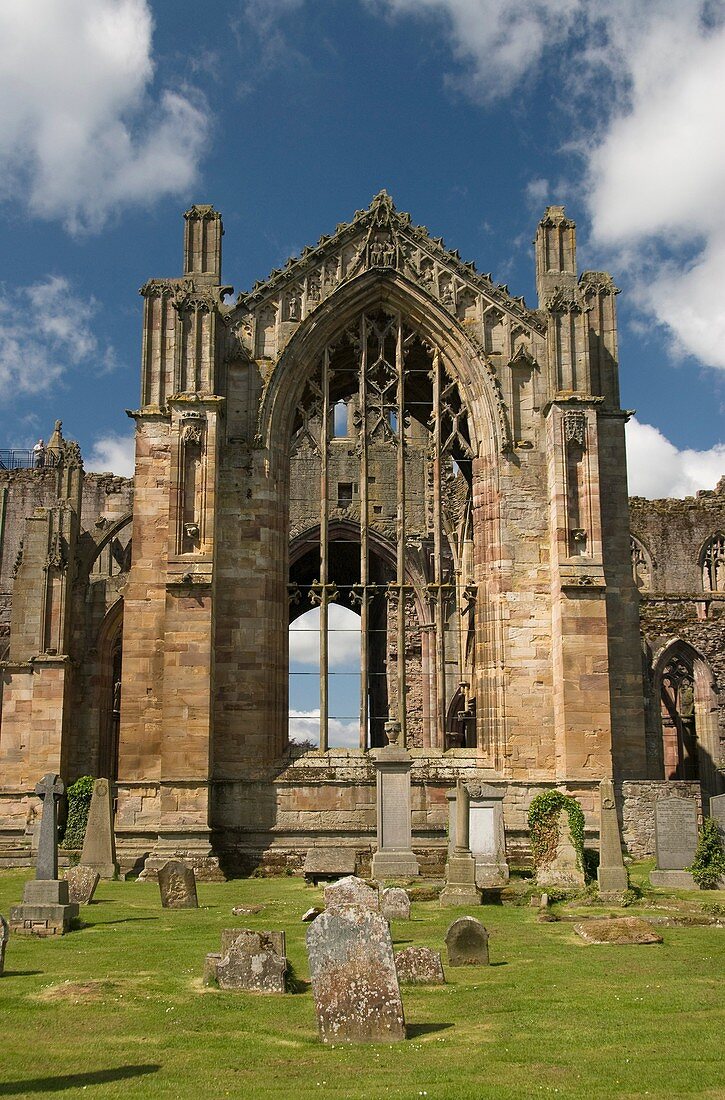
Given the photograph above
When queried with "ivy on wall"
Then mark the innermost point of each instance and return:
(544, 826)
(79, 803)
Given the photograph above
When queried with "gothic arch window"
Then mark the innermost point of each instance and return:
(712, 561)
(383, 536)
(641, 565)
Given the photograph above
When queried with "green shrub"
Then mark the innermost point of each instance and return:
(79, 803)
(708, 866)
(543, 825)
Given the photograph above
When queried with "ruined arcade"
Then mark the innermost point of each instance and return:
(376, 426)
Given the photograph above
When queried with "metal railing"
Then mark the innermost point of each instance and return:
(16, 459)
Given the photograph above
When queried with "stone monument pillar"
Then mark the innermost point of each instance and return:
(612, 874)
(99, 847)
(394, 857)
(460, 887)
(47, 909)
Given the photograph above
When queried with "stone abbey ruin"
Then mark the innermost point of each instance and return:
(376, 426)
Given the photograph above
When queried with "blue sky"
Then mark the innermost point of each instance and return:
(289, 115)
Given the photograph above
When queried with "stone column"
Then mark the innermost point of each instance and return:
(460, 888)
(394, 857)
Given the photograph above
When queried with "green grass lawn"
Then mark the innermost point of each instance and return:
(550, 1016)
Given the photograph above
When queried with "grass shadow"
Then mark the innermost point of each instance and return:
(21, 973)
(60, 1082)
(414, 1031)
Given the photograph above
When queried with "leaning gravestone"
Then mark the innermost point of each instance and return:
(99, 845)
(354, 980)
(563, 868)
(420, 966)
(4, 934)
(252, 963)
(675, 843)
(46, 909)
(177, 884)
(352, 891)
(82, 882)
(395, 904)
(467, 943)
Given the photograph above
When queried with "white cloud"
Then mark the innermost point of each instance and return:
(45, 329)
(112, 452)
(498, 41)
(344, 644)
(658, 469)
(654, 180)
(80, 134)
(304, 725)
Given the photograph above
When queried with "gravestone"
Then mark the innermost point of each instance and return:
(611, 874)
(277, 939)
(394, 857)
(717, 813)
(352, 891)
(460, 887)
(99, 845)
(354, 980)
(420, 966)
(467, 943)
(487, 838)
(46, 909)
(563, 869)
(675, 843)
(395, 904)
(82, 882)
(4, 935)
(328, 863)
(252, 962)
(177, 884)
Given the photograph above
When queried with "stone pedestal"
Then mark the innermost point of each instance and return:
(46, 909)
(394, 858)
(460, 887)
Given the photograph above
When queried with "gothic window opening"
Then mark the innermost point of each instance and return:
(713, 564)
(382, 535)
(641, 565)
(339, 420)
(679, 731)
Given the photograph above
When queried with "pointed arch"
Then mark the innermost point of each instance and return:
(391, 291)
(684, 683)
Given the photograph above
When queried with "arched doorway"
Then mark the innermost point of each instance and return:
(684, 684)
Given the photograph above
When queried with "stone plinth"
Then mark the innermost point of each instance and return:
(394, 857)
(46, 909)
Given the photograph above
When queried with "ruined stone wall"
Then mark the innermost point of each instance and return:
(675, 604)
